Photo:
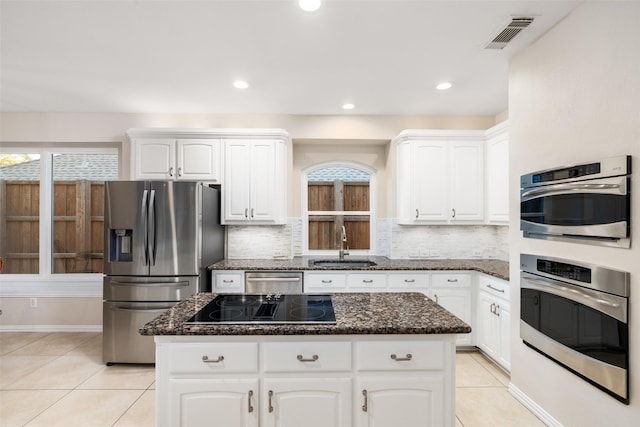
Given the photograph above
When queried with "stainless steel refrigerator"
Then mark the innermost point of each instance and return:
(159, 238)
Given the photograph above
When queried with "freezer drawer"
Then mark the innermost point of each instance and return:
(126, 288)
(121, 342)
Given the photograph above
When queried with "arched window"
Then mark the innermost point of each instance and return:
(337, 195)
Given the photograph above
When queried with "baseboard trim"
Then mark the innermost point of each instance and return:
(50, 328)
(536, 409)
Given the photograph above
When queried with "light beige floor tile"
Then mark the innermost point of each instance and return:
(470, 373)
(91, 347)
(65, 372)
(21, 406)
(491, 407)
(123, 377)
(87, 408)
(142, 413)
(12, 341)
(495, 370)
(458, 423)
(152, 386)
(12, 368)
(55, 344)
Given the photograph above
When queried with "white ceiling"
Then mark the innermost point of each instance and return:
(385, 56)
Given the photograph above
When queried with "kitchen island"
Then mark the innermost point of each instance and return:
(388, 360)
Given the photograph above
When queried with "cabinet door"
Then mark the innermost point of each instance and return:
(262, 185)
(458, 302)
(504, 357)
(430, 192)
(154, 158)
(498, 179)
(407, 402)
(488, 337)
(236, 178)
(230, 402)
(467, 181)
(309, 402)
(199, 159)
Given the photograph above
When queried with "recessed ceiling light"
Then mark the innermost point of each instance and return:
(240, 84)
(444, 86)
(348, 106)
(309, 5)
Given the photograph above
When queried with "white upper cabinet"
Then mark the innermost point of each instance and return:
(440, 177)
(171, 154)
(498, 174)
(255, 181)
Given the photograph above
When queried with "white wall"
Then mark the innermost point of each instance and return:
(575, 96)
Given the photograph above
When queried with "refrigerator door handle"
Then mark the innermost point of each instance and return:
(150, 285)
(152, 228)
(146, 310)
(145, 226)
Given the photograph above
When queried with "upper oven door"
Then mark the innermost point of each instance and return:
(595, 208)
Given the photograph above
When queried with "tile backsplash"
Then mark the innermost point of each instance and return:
(393, 240)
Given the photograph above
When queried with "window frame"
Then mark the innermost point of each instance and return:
(46, 282)
(372, 208)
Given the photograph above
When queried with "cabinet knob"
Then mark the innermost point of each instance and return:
(313, 358)
(250, 407)
(365, 406)
(417, 213)
(179, 171)
(495, 289)
(327, 281)
(270, 400)
(454, 213)
(171, 171)
(246, 213)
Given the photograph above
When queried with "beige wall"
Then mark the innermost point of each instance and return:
(73, 314)
(573, 96)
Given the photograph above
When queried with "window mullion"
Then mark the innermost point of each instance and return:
(46, 214)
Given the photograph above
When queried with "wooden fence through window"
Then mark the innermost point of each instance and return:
(324, 230)
(78, 226)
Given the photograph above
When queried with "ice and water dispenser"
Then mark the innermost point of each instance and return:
(120, 245)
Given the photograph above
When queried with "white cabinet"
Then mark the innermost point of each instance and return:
(498, 174)
(493, 320)
(311, 381)
(255, 181)
(440, 177)
(453, 292)
(171, 158)
(409, 401)
(227, 281)
(309, 402)
(326, 281)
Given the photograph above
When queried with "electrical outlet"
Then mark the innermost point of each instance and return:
(33, 302)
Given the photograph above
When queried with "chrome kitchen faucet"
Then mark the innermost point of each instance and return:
(343, 240)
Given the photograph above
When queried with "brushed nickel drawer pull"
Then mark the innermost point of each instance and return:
(270, 401)
(417, 213)
(367, 281)
(327, 281)
(495, 289)
(205, 359)
(452, 280)
(227, 281)
(409, 356)
(409, 280)
(365, 407)
(301, 358)
(250, 408)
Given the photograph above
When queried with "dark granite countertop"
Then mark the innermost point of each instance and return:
(356, 313)
(493, 267)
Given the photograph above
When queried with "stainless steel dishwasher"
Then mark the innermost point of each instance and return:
(273, 282)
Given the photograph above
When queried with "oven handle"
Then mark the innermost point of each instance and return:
(559, 189)
(611, 305)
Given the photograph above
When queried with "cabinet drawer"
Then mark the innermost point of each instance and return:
(307, 356)
(408, 280)
(324, 281)
(449, 280)
(213, 358)
(494, 286)
(228, 282)
(367, 281)
(399, 355)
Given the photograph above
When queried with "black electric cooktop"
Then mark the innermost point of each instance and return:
(268, 309)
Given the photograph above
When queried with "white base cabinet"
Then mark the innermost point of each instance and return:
(311, 381)
(493, 320)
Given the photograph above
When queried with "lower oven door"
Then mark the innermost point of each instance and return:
(121, 342)
(583, 329)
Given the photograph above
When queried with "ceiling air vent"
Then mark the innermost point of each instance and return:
(508, 33)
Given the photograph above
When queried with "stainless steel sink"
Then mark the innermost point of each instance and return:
(337, 263)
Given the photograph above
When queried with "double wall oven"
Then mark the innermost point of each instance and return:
(577, 315)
